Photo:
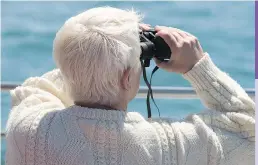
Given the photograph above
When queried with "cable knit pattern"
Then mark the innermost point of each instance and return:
(45, 128)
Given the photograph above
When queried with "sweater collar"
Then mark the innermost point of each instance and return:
(102, 114)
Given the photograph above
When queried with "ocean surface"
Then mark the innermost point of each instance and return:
(225, 31)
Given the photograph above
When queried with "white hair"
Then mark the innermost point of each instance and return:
(93, 49)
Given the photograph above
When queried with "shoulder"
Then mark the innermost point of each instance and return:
(31, 121)
(28, 130)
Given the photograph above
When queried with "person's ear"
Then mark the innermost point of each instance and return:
(125, 80)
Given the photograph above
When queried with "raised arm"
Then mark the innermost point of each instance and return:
(47, 88)
(225, 134)
(35, 98)
(215, 88)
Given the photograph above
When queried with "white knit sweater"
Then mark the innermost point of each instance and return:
(44, 128)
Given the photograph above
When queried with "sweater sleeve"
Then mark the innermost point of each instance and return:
(217, 90)
(47, 88)
(36, 97)
(37, 93)
(224, 134)
(231, 108)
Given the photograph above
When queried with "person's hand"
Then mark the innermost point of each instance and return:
(186, 49)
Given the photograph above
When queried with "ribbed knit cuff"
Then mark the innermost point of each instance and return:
(204, 72)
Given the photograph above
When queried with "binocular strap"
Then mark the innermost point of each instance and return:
(149, 89)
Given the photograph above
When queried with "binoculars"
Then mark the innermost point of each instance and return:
(153, 46)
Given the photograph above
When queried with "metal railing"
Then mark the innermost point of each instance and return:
(159, 92)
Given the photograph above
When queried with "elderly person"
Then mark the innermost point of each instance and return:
(77, 114)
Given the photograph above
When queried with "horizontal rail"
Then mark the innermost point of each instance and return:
(158, 91)
(7, 86)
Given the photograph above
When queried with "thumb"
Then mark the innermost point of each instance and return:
(160, 64)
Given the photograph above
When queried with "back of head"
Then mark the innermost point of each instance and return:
(93, 49)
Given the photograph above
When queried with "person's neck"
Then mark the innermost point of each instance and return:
(104, 107)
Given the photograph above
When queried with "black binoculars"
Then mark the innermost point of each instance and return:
(153, 46)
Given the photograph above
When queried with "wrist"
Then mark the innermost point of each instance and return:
(194, 62)
(204, 70)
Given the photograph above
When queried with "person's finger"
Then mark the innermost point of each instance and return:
(188, 34)
(158, 28)
(144, 26)
(184, 34)
(169, 39)
(198, 45)
(178, 37)
(181, 33)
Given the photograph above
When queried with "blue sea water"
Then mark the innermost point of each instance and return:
(225, 31)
